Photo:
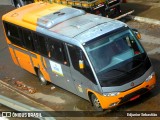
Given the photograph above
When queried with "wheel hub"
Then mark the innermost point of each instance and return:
(96, 102)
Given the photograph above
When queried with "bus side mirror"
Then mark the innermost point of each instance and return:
(81, 64)
(138, 35)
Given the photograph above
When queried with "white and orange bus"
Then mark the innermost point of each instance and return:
(96, 58)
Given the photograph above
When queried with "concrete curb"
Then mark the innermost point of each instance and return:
(145, 20)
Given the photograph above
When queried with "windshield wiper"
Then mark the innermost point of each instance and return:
(136, 60)
(139, 60)
(123, 71)
(136, 67)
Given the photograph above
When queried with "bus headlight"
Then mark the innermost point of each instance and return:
(111, 94)
(150, 77)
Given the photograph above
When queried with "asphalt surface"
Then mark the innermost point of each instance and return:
(5, 2)
(61, 100)
(143, 8)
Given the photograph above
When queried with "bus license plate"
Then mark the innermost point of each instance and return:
(133, 98)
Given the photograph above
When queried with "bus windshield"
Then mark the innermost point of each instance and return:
(115, 54)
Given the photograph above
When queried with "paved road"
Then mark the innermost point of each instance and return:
(5, 2)
(61, 100)
(143, 8)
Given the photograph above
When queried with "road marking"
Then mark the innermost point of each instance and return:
(150, 39)
(154, 51)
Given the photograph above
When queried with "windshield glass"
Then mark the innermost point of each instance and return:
(113, 49)
(117, 56)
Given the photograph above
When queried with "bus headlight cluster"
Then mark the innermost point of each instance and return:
(111, 94)
(150, 76)
(113, 104)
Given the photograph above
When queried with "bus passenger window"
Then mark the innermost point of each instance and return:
(12, 32)
(51, 50)
(28, 39)
(41, 41)
(132, 44)
(56, 51)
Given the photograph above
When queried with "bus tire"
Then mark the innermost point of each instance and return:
(96, 103)
(41, 78)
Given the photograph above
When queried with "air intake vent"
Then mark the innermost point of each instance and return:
(51, 20)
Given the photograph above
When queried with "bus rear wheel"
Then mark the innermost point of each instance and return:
(41, 78)
(96, 103)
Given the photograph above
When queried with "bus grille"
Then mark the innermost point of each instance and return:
(134, 94)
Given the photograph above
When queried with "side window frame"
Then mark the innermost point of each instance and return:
(31, 41)
(16, 40)
(64, 60)
(38, 47)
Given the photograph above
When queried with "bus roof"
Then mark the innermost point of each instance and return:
(62, 22)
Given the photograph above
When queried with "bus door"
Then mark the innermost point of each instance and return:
(59, 69)
(24, 60)
(83, 78)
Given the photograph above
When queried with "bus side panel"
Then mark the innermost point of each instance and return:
(29, 61)
(25, 61)
(14, 58)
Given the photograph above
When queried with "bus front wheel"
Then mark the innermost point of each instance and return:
(41, 78)
(96, 103)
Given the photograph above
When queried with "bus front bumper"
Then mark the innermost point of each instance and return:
(129, 95)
